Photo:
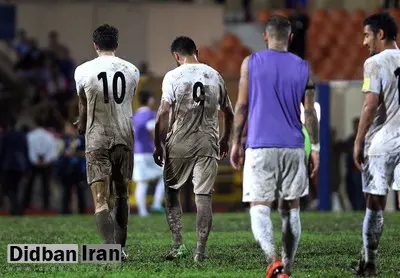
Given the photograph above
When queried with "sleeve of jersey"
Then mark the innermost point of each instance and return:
(167, 90)
(372, 81)
(78, 80)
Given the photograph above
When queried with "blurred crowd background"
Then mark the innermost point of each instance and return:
(42, 164)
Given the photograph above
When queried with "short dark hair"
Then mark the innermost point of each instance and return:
(144, 97)
(279, 26)
(385, 22)
(184, 45)
(106, 37)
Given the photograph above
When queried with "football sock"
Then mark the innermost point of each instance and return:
(174, 215)
(203, 221)
(121, 215)
(372, 230)
(158, 194)
(261, 226)
(104, 220)
(105, 225)
(291, 231)
(140, 195)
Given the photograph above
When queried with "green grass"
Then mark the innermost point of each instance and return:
(329, 244)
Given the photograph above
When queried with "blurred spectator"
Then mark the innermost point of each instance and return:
(387, 4)
(291, 4)
(42, 153)
(353, 175)
(54, 47)
(246, 4)
(300, 23)
(14, 164)
(335, 175)
(67, 68)
(31, 60)
(72, 170)
(21, 44)
(144, 69)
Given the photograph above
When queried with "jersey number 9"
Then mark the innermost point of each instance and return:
(117, 75)
(199, 98)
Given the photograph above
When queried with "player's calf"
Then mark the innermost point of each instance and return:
(121, 213)
(104, 221)
(291, 231)
(203, 222)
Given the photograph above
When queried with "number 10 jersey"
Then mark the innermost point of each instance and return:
(109, 84)
(381, 77)
(196, 92)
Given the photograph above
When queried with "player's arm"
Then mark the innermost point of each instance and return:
(242, 104)
(371, 88)
(226, 108)
(82, 112)
(82, 101)
(162, 123)
(162, 118)
(310, 115)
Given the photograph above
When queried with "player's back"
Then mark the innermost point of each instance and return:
(196, 91)
(109, 84)
(384, 135)
(277, 83)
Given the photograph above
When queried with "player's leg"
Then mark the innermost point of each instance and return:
(122, 166)
(378, 175)
(176, 174)
(140, 176)
(156, 174)
(259, 189)
(204, 174)
(294, 185)
(98, 173)
(158, 196)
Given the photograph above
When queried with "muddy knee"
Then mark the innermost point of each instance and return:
(100, 193)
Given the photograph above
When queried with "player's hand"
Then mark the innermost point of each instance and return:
(237, 156)
(158, 156)
(223, 149)
(81, 129)
(314, 163)
(358, 156)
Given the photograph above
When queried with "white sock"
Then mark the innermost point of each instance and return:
(291, 231)
(372, 230)
(140, 195)
(158, 194)
(336, 202)
(261, 226)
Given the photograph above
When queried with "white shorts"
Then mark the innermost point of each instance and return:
(270, 173)
(145, 169)
(380, 173)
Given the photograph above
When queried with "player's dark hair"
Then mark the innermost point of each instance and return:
(279, 26)
(144, 97)
(106, 37)
(385, 22)
(184, 45)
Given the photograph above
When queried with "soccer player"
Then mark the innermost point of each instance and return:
(273, 83)
(377, 143)
(193, 93)
(145, 169)
(106, 86)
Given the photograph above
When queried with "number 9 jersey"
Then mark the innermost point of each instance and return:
(381, 77)
(109, 84)
(196, 92)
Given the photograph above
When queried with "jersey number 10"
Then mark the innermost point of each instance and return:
(117, 75)
(397, 74)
